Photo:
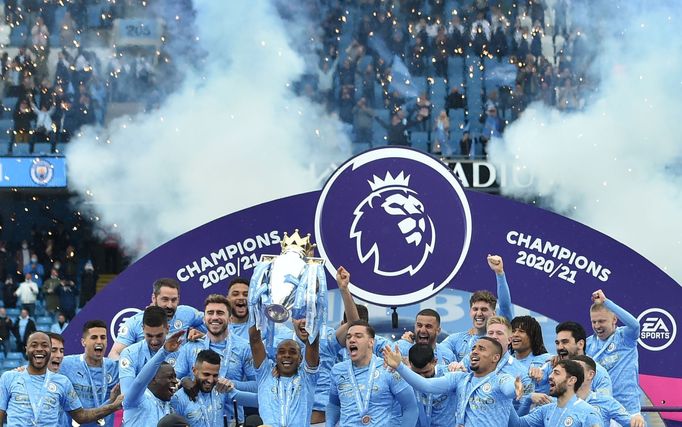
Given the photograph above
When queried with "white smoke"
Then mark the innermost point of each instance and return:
(612, 166)
(232, 136)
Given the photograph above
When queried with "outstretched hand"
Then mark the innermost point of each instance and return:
(342, 278)
(495, 263)
(393, 358)
(173, 342)
(598, 297)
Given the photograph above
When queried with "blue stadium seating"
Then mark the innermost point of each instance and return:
(420, 140)
(14, 355)
(11, 364)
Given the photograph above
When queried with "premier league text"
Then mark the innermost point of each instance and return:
(554, 259)
(227, 261)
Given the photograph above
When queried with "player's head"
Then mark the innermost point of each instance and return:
(427, 327)
(238, 294)
(363, 313)
(154, 326)
(603, 321)
(499, 328)
(570, 339)
(481, 307)
(206, 370)
(422, 360)
(589, 368)
(485, 355)
(38, 351)
(288, 357)
(216, 314)
(173, 420)
(566, 377)
(165, 383)
(527, 336)
(360, 342)
(94, 339)
(56, 351)
(166, 295)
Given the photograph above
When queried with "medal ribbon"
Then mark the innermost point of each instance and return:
(36, 408)
(95, 395)
(284, 392)
(363, 405)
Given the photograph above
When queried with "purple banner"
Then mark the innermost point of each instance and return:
(438, 235)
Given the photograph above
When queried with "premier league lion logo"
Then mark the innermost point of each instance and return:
(391, 226)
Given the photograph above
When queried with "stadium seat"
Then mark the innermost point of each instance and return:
(11, 364)
(43, 148)
(18, 35)
(420, 140)
(14, 355)
(13, 312)
(45, 319)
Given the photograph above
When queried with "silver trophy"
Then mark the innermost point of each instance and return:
(290, 284)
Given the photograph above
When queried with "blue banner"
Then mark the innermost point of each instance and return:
(43, 172)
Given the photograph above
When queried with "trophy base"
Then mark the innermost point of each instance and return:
(277, 313)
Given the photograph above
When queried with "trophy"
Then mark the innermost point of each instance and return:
(291, 284)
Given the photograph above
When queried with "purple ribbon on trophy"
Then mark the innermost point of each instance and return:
(292, 284)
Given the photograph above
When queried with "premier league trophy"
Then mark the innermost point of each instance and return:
(291, 284)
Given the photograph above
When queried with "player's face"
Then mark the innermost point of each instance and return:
(603, 323)
(484, 356)
(216, 318)
(588, 372)
(56, 355)
(499, 333)
(288, 358)
(167, 382)
(520, 340)
(206, 375)
(427, 371)
(38, 349)
(480, 312)
(566, 346)
(558, 381)
(168, 299)
(238, 297)
(299, 328)
(155, 336)
(426, 330)
(95, 343)
(359, 344)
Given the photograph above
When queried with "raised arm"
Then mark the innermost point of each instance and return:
(85, 416)
(349, 307)
(503, 295)
(312, 353)
(394, 359)
(631, 324)
(257, 347)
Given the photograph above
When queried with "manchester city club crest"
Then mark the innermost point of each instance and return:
(177, 324)
(41, 172)
(399, 220)
(52, 387)
(124, 362)
(568, 421)
(611, 347)
(486, 387)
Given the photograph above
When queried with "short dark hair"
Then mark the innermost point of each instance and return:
(218, 299)
(363, 313)
(573, 369)
(173, 420)
(165, 282)
(368, 327)
(485, 296)
(534, 331)
(238, 279)
(420, 355)
(55, 336)
(154, 316)
(431, 313)
(575, 328)
(93, 324)
(208, 356)
(497, 345)
(586, 360)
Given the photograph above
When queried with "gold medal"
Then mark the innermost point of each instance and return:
(366, 419)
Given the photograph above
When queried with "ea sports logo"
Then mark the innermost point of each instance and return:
(657, 329)
(398, 220)
(116, 325)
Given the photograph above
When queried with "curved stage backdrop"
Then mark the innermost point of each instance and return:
(398, 220)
